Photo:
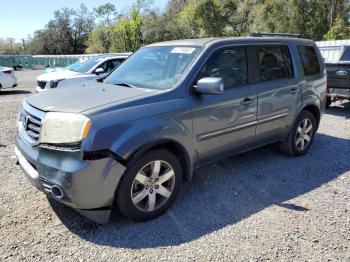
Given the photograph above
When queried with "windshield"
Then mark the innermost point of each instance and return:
(87, 65)
(346, 54)
(74, 66)
(154, 67)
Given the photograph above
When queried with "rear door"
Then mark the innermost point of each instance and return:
(313, 68)
(279, 94)
(225, 122)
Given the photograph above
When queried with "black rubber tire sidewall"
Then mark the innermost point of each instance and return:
(123, 198)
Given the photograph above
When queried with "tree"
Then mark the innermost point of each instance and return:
(107, 12)
(8, 46)
(174, 23)
(128, 28)
(340, 30)
(236, 15)
(101, 38)
(210, 16)
(218, 17)
(66, 33)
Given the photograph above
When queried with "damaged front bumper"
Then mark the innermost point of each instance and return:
(88, 186)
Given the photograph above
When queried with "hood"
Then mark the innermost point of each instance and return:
(64, 74)
(87, 95)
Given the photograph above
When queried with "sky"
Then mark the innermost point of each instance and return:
(20, 18)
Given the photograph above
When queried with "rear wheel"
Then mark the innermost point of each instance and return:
(149, 185)
(301, 136)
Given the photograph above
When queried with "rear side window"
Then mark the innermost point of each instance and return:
(274, 63)
(309, 60)
(228, 63)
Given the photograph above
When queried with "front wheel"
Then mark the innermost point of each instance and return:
(149, 185)
(301, 136)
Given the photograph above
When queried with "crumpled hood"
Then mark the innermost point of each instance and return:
(65, 74)
(84, 96)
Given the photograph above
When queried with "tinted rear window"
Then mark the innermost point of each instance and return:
(274, 62)
(309, 60)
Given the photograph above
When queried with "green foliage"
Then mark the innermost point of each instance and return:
(79, 31)
(9, 46)
(128, 28)
(311, 18)
(66, 33)
(107, 12)
(340, 30)
(101, 39)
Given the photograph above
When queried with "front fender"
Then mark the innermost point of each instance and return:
(125, 130)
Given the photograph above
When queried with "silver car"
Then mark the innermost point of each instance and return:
(93, 68)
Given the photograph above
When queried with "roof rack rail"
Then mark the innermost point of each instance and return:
(262, 34)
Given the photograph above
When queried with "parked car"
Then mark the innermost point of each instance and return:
(338, 75)
(171, 107)
(93, 68)
(71, 67)
(7, 77)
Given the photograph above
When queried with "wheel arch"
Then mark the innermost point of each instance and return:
(313, 109)
(174, 147)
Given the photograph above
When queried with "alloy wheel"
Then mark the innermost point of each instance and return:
(304, 134)
(152, 186)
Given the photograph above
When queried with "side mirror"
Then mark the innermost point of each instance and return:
(210, 85)
(99, 71)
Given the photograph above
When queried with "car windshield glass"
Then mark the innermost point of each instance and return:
(74, 66)
(346, 54)
(87, 65)
(154, 67)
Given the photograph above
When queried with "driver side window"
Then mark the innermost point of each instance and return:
(230, 64)
(108, 66)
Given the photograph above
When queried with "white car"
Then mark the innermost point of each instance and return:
(93, 68)
(7, 77)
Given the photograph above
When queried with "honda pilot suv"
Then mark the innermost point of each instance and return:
(129, 141)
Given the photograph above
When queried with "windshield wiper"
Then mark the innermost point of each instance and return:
(125, 84)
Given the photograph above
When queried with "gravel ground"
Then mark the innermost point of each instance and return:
(253, 207)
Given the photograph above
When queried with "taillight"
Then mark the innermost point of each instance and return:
(8, 72)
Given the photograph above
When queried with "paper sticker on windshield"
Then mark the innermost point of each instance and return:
(183, 50)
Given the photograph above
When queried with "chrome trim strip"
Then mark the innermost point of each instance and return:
(225, 131)
(33, 127)
(35, 115)
(272, 118)
(33, 111)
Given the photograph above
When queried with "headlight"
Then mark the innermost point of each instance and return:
(64, 128)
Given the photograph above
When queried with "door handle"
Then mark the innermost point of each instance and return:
(246, 101)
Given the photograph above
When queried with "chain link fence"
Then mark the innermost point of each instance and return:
(40, 61)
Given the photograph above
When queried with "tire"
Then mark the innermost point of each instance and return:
(135, 196)
(292, 144)
(329, 102)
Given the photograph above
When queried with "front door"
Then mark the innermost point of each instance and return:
(225, 122)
